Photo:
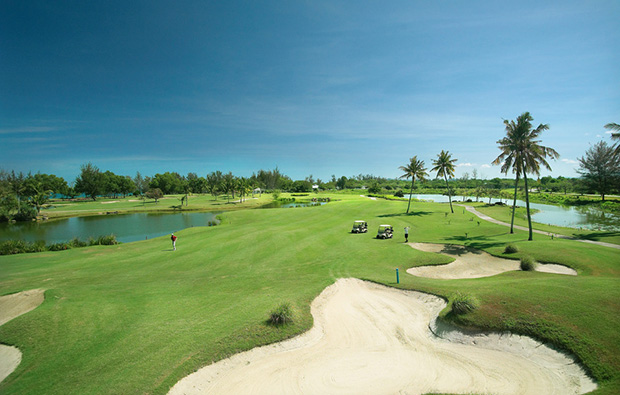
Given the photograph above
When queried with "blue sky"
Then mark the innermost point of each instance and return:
(312, 87)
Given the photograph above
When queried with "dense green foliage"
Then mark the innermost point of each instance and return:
(142, 317)
(11, 247)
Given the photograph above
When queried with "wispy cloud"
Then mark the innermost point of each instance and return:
(570, 161)
(28, 129)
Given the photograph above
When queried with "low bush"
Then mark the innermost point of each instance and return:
(11, 247)
(76, 243)
(463, 304)
(106, 240)
(281, 315)
(528, 263)
(510, 249)
(59, 246)
(399, 193)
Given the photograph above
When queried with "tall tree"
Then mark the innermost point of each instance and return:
(614, 127)
(600, 168)
(444, 166)
(522, 152)
(89, 181)
(415, 169)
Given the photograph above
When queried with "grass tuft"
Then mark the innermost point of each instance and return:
(281, 315)
(528, 263)
(510, 249)
(463, 303)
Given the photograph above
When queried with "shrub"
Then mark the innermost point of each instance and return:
(399, 193)
(281, 315)
(107, 240)
(510, 249)
(59, 246)
(462, 303)
(528, 263)
(11, 247)
(76, 242)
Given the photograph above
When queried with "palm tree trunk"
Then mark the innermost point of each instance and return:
(410, 193)
(527, 205)
(449, 197)
(514, 205)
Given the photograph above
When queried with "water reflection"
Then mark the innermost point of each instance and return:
(126, 227)
(586, 217)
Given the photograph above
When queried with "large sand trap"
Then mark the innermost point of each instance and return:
(370, 339)
(472, 263)
(12, 306)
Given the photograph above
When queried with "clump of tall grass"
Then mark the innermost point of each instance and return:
(105, 240)
(464, 303)
(510, 249)
(528, 263)
(281, 315)
(11, 247)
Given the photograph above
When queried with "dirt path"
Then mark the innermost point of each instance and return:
(370, 339)
(495, 221)
(472, 263)
(12, 306)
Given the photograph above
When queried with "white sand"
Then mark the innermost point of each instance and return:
(12, 306)
(472, 263)
(370, 339)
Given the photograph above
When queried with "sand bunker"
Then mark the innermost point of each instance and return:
(12, 306)
(472, 263)
(370, 339)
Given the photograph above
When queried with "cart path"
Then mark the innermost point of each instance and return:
(372, 339)
(495, 221)
(12, 306)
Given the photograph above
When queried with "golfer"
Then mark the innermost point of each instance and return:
(174, 242)
(406, 234)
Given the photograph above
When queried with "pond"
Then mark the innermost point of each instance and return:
(568, 216)
(126, 227)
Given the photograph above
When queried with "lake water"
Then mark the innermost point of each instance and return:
(126, 227)
(567, 216)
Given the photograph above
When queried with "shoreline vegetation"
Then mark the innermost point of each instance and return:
(62, 209)
(192, 288)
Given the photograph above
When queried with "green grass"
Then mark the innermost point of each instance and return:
(136, 317)
(504, 214)
(170, 203)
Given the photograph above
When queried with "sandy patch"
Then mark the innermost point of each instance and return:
(135, 200)
(370, 339)
(472, 263)
(12, 306)
(113, 201)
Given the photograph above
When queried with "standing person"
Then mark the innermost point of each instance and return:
(406, 234)
(174, 242)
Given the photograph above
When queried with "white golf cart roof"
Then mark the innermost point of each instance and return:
(386, 226)
(360, 221)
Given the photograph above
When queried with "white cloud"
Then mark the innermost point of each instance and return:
(464, 165)
(486, 166)
(28, 129)
(570, 161)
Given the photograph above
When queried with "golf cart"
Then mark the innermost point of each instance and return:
(385, 232)
(359, 227)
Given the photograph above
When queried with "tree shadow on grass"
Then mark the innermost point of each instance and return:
(596, 236)
(411, 214)
(477, 242)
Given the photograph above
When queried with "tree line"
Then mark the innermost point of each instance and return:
(23, 196)
(522, 153)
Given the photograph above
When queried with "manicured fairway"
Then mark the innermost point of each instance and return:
(136, 318)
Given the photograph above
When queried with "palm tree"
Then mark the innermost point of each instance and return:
(509, 146)
(444, 165)
(523, 153)
(415, 169)
(615, 136)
